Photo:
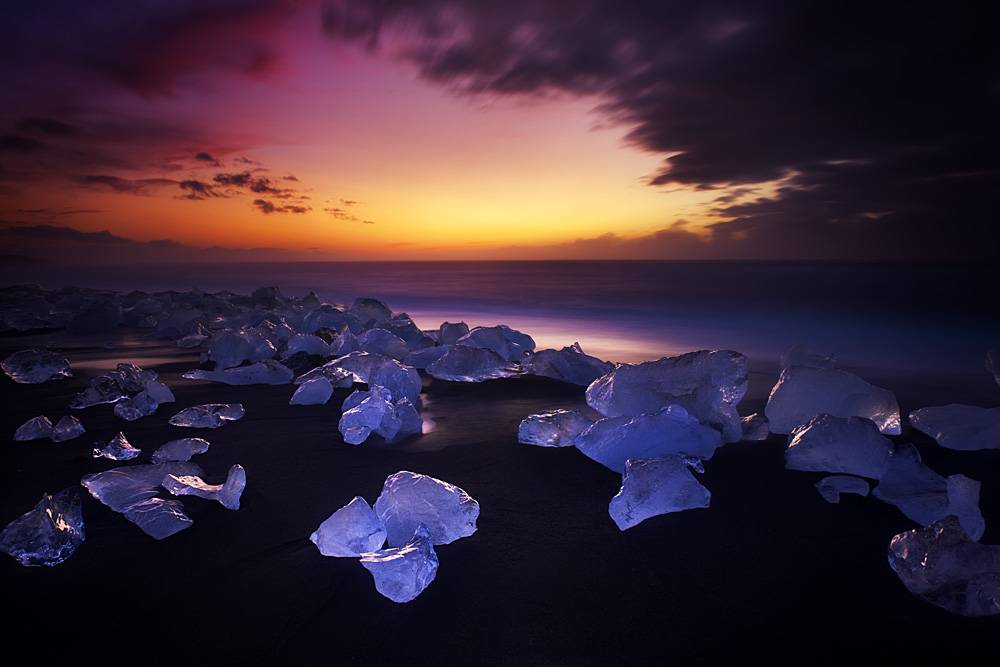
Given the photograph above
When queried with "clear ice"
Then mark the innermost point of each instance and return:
(210, 415)
(226, 494)
(509, 344)
(180, 450)
(49, 533)
(374, 411)
(67, 428)
(410, 499)
(962, 427)
(385, 343)
(316, 391)
(832, 486)
(569, 364)
(651, 487)
(471, 364)
(117, 449)
(849, 445)
(136, 407)
(35, 366)
(352, 530)
(557, 428)
(260, 372)
(402, 573)
(34, 429)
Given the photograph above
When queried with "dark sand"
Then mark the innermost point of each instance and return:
(769, 570)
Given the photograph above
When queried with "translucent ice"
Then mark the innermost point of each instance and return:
(374, 411)
(709, 385)
(49, 533)
(402, 573)
(409, 499)
(117, 449)
(180, 450)
(67, 428)
(510, 344)
(832, 486)
(425, 357)
(227, 494)
(941, 565)
(35, 366)
(850, 445)
(656, 486)
(755, 427)
(449, 333)
(803, 392)
(370, 311)
(386, 343)
(352, 530)
(337, 376)
(345, 343)
(34, 429)
(158, 391)
(614, 440)
(101, 389)
(307, 343)
(261, 372)
(140, 405)
(314, 392)
(210, 415)
(569, 364)
(963, 427)
(401, 380)
(230, 348)
(557, 428)
(470, 364)
(158, 518)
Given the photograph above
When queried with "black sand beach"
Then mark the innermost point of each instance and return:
(770, 570)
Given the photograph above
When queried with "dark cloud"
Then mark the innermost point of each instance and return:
(879, 118)
(348, 202)
(125, 185)
(255, 184)
(46, 126)
(13, 143)
(202, 156)
(196, 190)
(266, 207)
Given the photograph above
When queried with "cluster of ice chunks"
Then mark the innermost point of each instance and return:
(556, 428)
(226, 494)
(210, 415)
(49, 533)
(651, 487)
(35, 366)
(832, 486)
(462, 363)
(180, 450)
(962, 427)
(569, 364)
(36, 428)
(117, 449)
(376, 411)
(413, 513)
(259, 372)
(135, 392)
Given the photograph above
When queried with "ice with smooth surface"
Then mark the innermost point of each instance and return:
(943, 566)
(410, 499)
(231, 348)
(226, 494)
(49, 533)
(101, 389)
(708, 384)
(423, 358)
(117, 449)
(337, 376)
(510, 344)
(849, 445)
(370, 311)
(261, 372)
(803, 392)
(569, 364)
(307, 343)
(755, 427)
(832, 486)
(962, 427)
(374, 411)
(556, 428)
(210, 415)
(181, 449)
(67, 428)
(671, 430)
(386, 343)
(34, 429)
(352, 530)
(136, 407)
(651, 487)
(158, 391)
(316, 391)
(471, 364)
(35, 366)
(402, 573)
(449, 333)
(159, 518)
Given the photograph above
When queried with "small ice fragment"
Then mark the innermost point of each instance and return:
(352, 530)
(832, 486)
(140, 405)
(210, 415)
(849, 445)
(261, 372)
(67, 428)
(226, 494)
(35, 366)
(402, 573)
(557, 428)
(961, 427)
(49, 533)
(409, 499)
(373, 411)
(158, 518)
(755, 427)
(180, 450)
(569, 364)
(313, 392)
(34, 429)
(470, 364)
(449, 333)
(117, 449)
(656, 486)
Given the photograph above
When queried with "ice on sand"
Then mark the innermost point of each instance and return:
(34, 429)
(136, 407)
(261, 372)
(117, 449)
(471, 364)
(510, 344)
(557, 428)
(316, 391)
(352, 530)
(180, 450)
(374, 411)
(227, 494)
(49, 533)
(67, 428)
(210, 415)
(402, 573)
(35, 366)
(850, 445)
(962, 427)
(409, 500)
(833, 486)
(656, 486)
(569, 364)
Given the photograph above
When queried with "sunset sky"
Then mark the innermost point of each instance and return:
(466, 130)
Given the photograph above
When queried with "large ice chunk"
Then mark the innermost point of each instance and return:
(49, 533)
(510, 344)
(374, 411)
(402, 573)
(569, 364)
(335, 375)
(158, 391)
(261, 372)
(671, 430)
(656, 486)
(307, 343)
(226, 494)
(136, 407)
(313, 392)
(470, 364)
(158, 518)
(409, 499)
(210, 415)
(386, 343)
(67, 428)
(803, 392)
(352, 530)
(34, 429)
(370, 311)
(425, 357)
(941, 565)
(450, 333)
(832, 486)
(851, 445)
(180, 450)
(117, 449)
(962, 427)
(231, 348)
(709, 385)
(35, 366)
(557, 428)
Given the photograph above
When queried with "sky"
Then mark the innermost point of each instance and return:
(529, 129)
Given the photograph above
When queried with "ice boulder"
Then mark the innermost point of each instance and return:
(449, 333)
(802, 392)
(327, 316)
(557, 428)
(159, 518)
(35, 366)
(261, 372)
(370, 311)
(386, 343)
(226, 494)
(34, 429)
(210, 415)
(832, 486)
(671, 430)
(755, 427)
(117, 449)
(375, 411)
(158, 391)
(313, 392)
(471, 364)
(849, 445)
(136, 407)
(352, 530)
(231, 348)
(656, 486)
(509, 344)
(941, 565)
(409, 500)
(180, 450)
(336, 376)
(308, 343)
(709, 385)
(569, 364)
(962, 427)
(67, 428)
(49, 533)
(101, 389)
(402, 573)
(425, 357)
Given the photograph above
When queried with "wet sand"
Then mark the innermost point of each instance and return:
(769, 570)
